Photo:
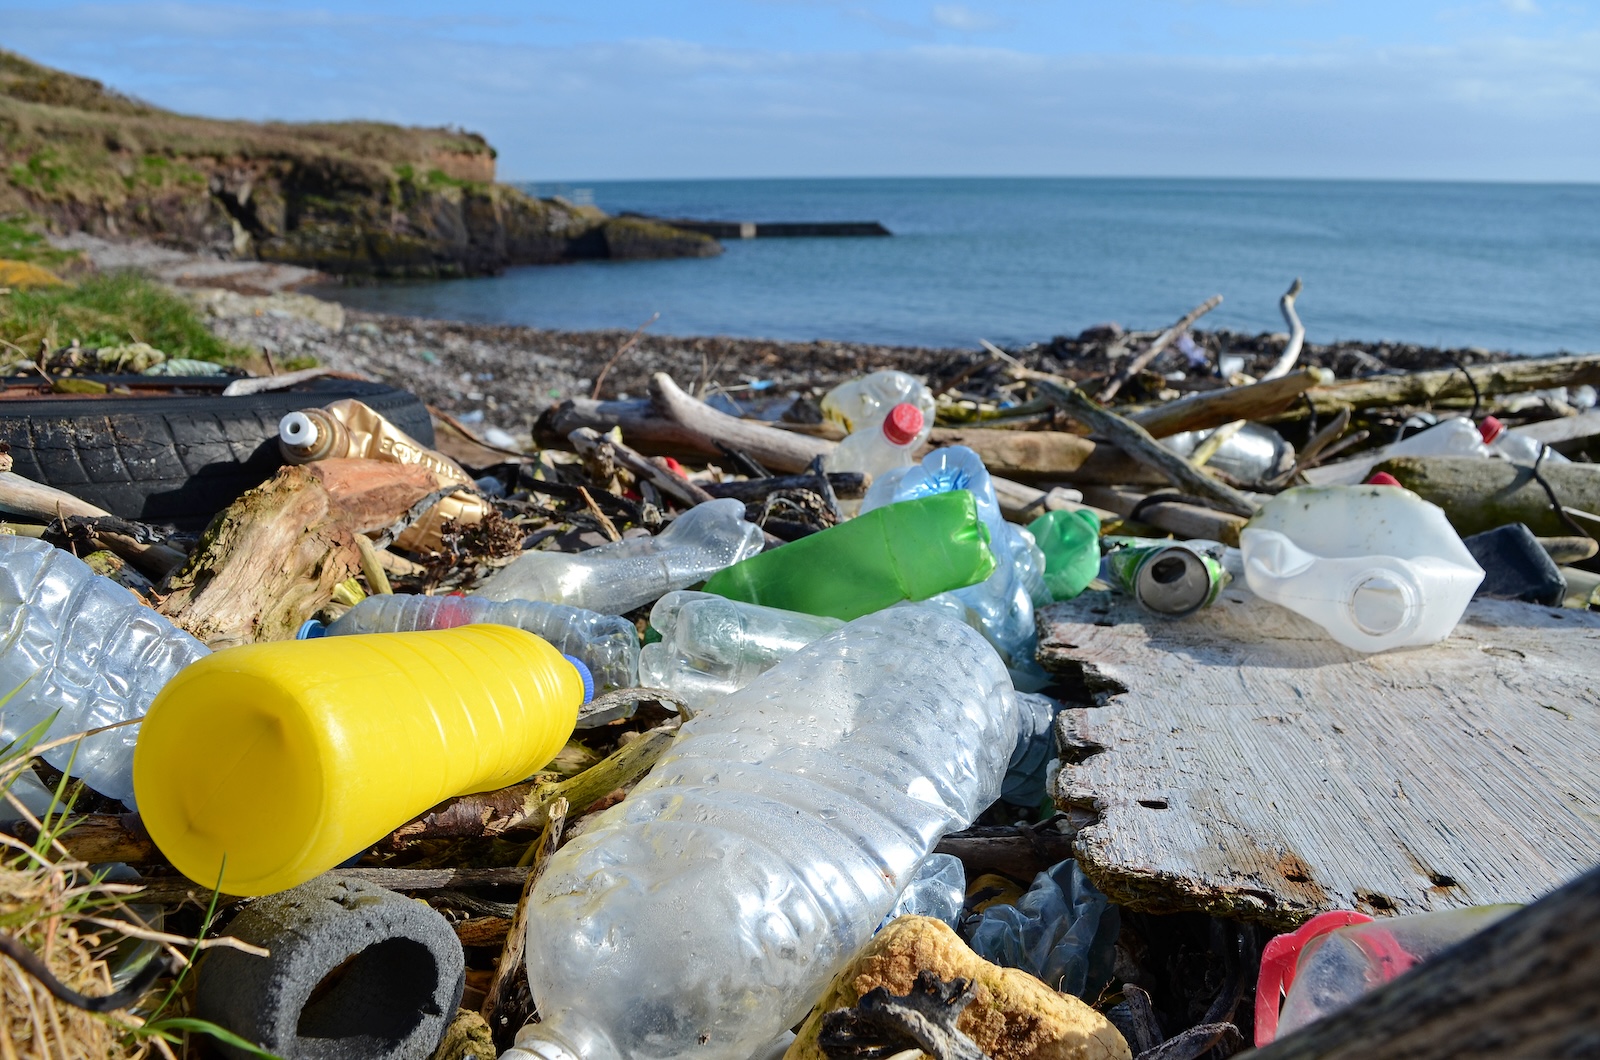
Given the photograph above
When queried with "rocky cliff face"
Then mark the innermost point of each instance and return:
(352, 198)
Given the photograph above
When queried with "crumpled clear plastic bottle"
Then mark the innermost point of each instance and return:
(80, 646)
(1003, 603)
(711, 645)
(1063, 931)
(623, 575)
(939, 890)
(709, 909)
(863, 403)
(607, 644)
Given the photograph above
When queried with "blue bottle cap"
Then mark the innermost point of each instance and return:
(583, 672)
(311, 629)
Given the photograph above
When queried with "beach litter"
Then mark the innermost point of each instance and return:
(662, 714)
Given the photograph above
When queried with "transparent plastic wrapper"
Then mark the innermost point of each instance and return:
(939, 890)
(1070, 543)
(81, 647)
(1376, 566)
(709, 909)
(623, 575)
(1336, 957)
(711, 645)
(264, 765)
(1063, 931)
(863, 403)
(606, 644)
(878, 449)
(906, 551)
(1026, 776)
(1003, 602)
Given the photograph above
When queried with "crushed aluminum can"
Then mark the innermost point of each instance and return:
(1171, 578)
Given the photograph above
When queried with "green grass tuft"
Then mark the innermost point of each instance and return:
(21, 241)
(109, 310)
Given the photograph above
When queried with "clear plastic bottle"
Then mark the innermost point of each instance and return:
(1453, 437)
(1517, 448)
(1003, 602)
(606, 644)
(623, 575)
(84, 648)
(863, 403)
(879, 448)
(709, 909)
(939, 890)
(711, 645)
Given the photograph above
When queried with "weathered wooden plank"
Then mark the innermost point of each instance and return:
(1243, 763)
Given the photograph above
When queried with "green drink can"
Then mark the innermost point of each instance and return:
(1171, 578)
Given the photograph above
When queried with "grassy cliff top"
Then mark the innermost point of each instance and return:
(65, 137)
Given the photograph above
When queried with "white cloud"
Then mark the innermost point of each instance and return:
(965, 20)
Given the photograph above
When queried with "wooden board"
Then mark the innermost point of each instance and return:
(1243, 763)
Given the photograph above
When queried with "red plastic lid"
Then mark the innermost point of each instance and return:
(1382, 478)
(1490, 428)
(903, 424)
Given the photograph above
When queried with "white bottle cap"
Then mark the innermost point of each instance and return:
(298, 430)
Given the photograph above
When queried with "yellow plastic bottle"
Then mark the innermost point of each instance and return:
(287, 758)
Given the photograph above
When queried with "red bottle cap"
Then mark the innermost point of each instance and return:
(1489, 429)
(675, 467)
(903, 424)
(1382, 478)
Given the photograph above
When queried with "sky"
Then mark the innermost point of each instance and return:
(644, 89)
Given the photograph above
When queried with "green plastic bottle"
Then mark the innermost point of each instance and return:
(906, 551)
(1070, 541)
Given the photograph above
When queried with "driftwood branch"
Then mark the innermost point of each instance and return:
(1137, 443)
(1452, 384)
(1291, 353)
(1528, 985)
(175, 890)
(1212, 408)
(851, 485)
(591, 442)
(1137, 363)
(1172, 513)
(883, 1025)
(773, 448)
(24, 497)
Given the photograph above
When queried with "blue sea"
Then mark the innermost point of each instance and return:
(1502, 266)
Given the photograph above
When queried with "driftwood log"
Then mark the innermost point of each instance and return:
(266, 564)
(1174, 515)
(1056, 456)
(1242, 763)
(1212, 408)
(372, 494)
(24, 497)
(1451, 385)
(1286, 360)
(1479, 495)
(1526, 986)
(1137, 443)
